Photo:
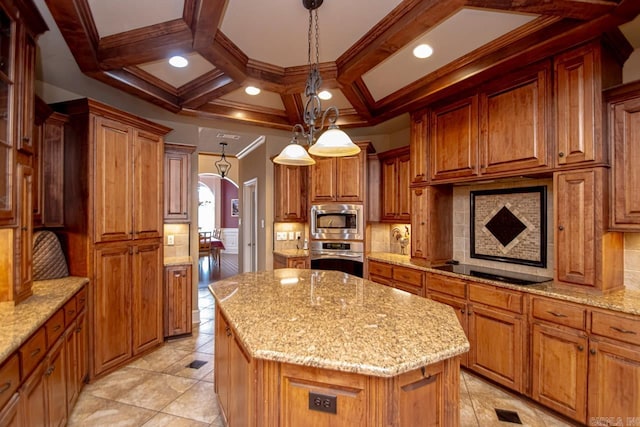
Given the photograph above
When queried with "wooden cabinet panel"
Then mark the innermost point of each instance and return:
(459, 305)
(424, 390)
(111, 308)
(27, 64)
(389, 184)
(71, 365)
(396, 199)
(24, 241)
(290, 201)
(177, 182)
(447, 285)
(497, 346)
(55, 327)
(82, 332)
(431, 225)
(146, 306)
(418, 147)
(148, 185)
(323, 180)
(9, 378)
(33, 351)
(496, 297)
(561, 313)
(559, 370)
(10, 415)
(177, 300)
(614, 374)
(514, 121)
(52, 185)
(454, 139)
(616, 326)
(222, 361)
(33, 399)
(55, 386)
(350, 178)
(113, 181)
(381, 269)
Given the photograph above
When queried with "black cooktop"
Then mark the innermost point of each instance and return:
(494, 274)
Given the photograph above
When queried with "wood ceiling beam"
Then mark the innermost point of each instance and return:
(407, 21)
(204, 20)
(359, 99)
(294, 107)
(226, 56)
(142, 45)
(583, 10)
(76, 24)
(237, 113)
(210, 86)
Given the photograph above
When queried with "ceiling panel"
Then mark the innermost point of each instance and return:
(264, 99)
(116, 16)
(463, 32)
(177, 77)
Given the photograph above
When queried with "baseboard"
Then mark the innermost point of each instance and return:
(195, 317)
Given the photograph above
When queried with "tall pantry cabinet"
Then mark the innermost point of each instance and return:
(114, 222)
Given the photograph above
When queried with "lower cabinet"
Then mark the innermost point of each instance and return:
(281, 261)
(403, 278)
(462, 313)
(10, 415)
(177, 300)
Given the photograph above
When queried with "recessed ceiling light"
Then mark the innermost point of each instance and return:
(252, 90)
(422, 51)
(325, 95)
(178, 61)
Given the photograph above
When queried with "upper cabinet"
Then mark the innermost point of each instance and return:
(177, 182)
(623, 112)
(580, 76)
(395, 171)
(418, 147)
(514, 121)
(290, 193)
(339, 179)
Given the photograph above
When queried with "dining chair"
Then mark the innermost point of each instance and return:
(204, 244)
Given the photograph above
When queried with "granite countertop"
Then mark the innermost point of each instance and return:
(18, 322)
(178, 260)
(625, 300)
(292, 253)
(331, 320)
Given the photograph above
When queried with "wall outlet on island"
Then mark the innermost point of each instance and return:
(170, 240)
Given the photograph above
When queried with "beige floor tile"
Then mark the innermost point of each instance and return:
(97, 412)
(208, 347)
(192, 343)
(205, 327)
(207, 313)
(198, 403)
(166, 420)
(551, 420)
(217, 422)
(160, 359)
(182, 369)
(117, 383)
(467, 414)
(157, 391)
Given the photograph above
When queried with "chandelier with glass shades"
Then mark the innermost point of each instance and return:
(331, 143)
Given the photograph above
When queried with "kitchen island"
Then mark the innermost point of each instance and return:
(311, 347)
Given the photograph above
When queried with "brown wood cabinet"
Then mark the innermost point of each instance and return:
(403, 278)
(177, 182)
(339, 179)
(282, 261)
(177, 300)
(52, 163)
(586, 254)
(24, 245)
(10, 415)
(623, 113)
(418, 147)
(290, 193)
(460, 307)
(454, 139)
(431, 224)
(514, 121)
(114, 232)
(396, 200)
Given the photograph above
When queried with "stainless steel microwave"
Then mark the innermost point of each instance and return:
(337, 221)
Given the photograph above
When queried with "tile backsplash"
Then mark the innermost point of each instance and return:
(287, 227)
(382, 240)
(632, 261)
(180, 233)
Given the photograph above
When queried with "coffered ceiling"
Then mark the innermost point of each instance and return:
(365, 54)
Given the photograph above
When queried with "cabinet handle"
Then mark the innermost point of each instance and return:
(35, 352)
(462, 310)
(71, 312)
(592, 351)
(561, 154)
(26, 139)
(420, 383)
(50, 370)
(561, 227)
(580, 347)
(78, 330)
(56, 328)
(553, 313)
(228, 330)
(6, 386)
(622, 331)
(177, 275)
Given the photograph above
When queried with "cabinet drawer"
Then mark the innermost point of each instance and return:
(447, 285)
(381, 269)
(70, 311)
(409, 287)
(559, 312)
(382, 280)
(9, 378)
(33, 351)
(496, 297)
(55, 327)
(616, 326)
(408, 275)
(81, 299)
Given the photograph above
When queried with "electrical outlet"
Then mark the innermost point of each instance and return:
(298, 235)
(291, 235)
(170, 240)
(323, 403)
(281, 235)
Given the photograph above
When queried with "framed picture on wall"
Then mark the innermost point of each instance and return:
(235, 208)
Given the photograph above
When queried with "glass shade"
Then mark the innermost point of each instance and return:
(334, 143)
(294, 155)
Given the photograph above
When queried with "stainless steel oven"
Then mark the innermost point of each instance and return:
(337, 222)
(347, 257)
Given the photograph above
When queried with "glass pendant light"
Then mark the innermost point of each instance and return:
(223, 165)
(294, 154)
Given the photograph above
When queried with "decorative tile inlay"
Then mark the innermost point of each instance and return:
(505, 226)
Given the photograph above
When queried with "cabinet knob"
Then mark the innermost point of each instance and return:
(561, 227)
(26, 139)
(177, 275)
(561, 154)
(592, 351)
(580, 347)
(462, 310)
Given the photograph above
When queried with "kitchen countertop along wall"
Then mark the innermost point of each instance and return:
(18, 322)
(624, 301)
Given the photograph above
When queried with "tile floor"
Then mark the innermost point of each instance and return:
(161, 390)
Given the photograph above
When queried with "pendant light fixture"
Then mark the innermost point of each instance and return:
(333, 142)
(223, 165)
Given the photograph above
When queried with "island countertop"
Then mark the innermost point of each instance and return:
(331, 320)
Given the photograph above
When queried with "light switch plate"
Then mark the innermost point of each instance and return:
(298, 235)
(281, 235)
(170, 240)
(291, 235)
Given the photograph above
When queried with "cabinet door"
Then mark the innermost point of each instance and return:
(33, 401)
(53, 171)
(222, 362)
(25, 234)
(111, 308)
(424, 389)
(614, 378)
(323, 180)
(418, 147)
(389, 189)
(559, 376)
(290, 192)
(240, 410)
(514, 122)
(148, 185)
(177, 188)
(177, 313)
(349, 178)
(625, 129)
(27, 58)
(113, 189)
(496, 345)
(146, 304)
(454, 140)
(71, 350)
(298, 263)
(419, 220)
(7, 91)
(55, 384)
(82, 368)
(460, 308)
(578, 107)
(575, 196)
(404, 192)
(432, 224)
(11, 416)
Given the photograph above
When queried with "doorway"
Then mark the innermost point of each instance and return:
(250, 225)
